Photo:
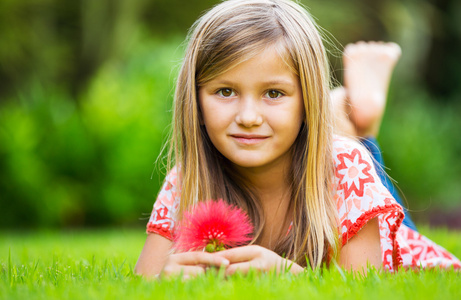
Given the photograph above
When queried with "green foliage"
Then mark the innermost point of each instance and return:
(63, 164)
(62, 42)
(99, 265)
(421, 146)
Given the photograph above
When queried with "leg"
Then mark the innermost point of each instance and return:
(367, 71)
(359, 107)
(341, 113)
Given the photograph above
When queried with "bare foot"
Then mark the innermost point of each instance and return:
(341, 112)
(367, 71)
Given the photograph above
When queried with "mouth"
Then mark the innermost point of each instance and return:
(249, 139)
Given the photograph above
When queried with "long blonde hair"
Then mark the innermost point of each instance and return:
(230, 33)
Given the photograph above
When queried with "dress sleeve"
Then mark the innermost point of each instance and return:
(360, 197)
(163, 218)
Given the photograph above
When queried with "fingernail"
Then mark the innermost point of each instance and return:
(225, 262)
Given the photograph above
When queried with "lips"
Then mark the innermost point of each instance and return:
(249, 139)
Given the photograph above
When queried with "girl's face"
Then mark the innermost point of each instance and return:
(254, 111)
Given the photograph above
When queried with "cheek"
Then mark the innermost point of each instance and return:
(211, 116)
(214, 116)
(290, 119)
(293, 123)
(207, 111)
(299, 117)
(296, 125)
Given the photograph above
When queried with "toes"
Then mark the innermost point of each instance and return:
(380, 49)
(396, 50)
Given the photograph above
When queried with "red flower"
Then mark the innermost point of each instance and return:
(213, 226)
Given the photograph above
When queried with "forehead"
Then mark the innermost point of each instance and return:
(276, 54)
(265, 68)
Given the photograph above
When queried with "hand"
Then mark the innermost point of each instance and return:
(191, 263)
(257, 258)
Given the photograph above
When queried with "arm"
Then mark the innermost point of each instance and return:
(363, 249)
(153, 255)
(362, 201)
(155, 259)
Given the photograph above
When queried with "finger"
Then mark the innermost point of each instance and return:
(200, 258)
(240, 254)
(243, 267)
(185, 271)
(240, 267)
(193, 271)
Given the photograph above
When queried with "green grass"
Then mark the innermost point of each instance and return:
(99, 264)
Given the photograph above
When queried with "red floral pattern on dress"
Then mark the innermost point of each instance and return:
(353, 173)
(424, 252)
(162, 219)
(360, 196)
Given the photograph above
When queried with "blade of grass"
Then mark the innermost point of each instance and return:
(9, 268)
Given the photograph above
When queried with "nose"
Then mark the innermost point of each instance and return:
(249, 113)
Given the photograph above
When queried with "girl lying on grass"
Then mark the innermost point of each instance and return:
(253, 125)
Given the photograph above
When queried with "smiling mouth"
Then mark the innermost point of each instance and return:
(249, 139)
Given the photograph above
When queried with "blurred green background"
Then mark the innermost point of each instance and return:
(86, 91)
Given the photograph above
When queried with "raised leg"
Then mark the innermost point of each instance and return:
(367, 71)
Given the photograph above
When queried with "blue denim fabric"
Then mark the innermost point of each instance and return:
(372, 145)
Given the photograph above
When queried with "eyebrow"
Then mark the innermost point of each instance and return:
(222, 82)
(279, 82)
(265, 83)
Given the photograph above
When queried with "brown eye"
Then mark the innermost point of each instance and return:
(226, 92)
(273, 94)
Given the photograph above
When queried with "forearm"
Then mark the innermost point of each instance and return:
(148, 267)
(153, 255)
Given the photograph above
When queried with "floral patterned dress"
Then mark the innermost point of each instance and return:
(360, 197)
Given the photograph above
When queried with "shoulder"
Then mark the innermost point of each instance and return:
(163, 216)
(354, 168)
(358, 187)
(172, 177)
(169, 190)
(343, 146)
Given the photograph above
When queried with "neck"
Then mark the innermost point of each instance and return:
(272, 186)
(271, 182)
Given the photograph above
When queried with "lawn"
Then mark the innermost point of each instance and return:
(98, 264)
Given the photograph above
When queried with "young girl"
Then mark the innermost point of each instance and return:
(253, 125)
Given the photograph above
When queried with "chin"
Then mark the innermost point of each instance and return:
(250, 163)
(246, 163)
